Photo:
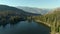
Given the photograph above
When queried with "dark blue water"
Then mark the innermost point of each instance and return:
(24, 27)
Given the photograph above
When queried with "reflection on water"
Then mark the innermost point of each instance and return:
(24, 28)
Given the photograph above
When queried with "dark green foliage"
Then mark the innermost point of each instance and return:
(10, 17)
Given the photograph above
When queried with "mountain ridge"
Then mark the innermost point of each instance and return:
(34, 10)
(14, 9)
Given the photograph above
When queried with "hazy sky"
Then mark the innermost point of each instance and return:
(32, 3)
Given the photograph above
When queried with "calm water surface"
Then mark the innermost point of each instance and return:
(24, 27)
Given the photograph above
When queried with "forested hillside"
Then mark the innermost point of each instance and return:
(52, 18)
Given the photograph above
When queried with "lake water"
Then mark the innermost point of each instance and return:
(24, 27)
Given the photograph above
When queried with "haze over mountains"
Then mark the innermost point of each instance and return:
(24, 10)
(34, 10)
(5, 8)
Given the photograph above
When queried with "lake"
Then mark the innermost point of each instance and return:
(24, 27)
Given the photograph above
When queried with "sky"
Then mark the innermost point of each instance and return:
(32, 3)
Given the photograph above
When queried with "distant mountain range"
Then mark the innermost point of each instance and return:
(28, 11)
(5, 8)
(34, 10)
